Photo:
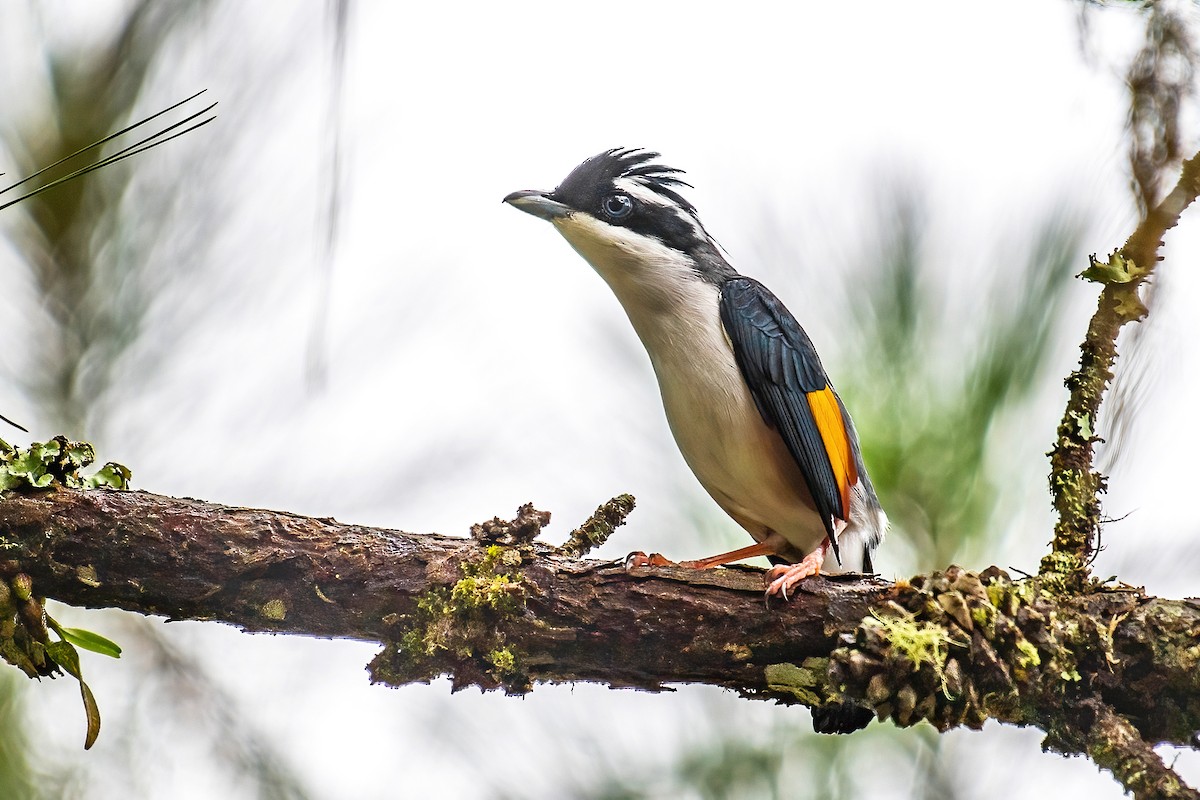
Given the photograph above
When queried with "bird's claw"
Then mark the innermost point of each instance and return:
(785, 576)
(639, 559)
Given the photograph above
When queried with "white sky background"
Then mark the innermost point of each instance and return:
(475, 363)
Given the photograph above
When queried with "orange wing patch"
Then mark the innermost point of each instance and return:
(828, 416)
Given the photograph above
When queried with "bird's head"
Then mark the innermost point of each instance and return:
(623, 213)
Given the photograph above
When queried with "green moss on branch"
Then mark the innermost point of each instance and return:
(460, 629)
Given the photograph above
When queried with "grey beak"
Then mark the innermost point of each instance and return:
(531, 201)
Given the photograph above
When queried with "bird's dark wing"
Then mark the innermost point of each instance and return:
(792, 392)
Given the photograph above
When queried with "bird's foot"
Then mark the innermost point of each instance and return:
(785, 576)
(639, 559)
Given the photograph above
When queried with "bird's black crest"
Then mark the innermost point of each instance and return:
(595, 177)
(674, 221)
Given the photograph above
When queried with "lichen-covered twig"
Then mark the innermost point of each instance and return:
(1074, 483)
(598, 527)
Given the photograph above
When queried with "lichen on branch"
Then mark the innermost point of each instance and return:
(56, 462)
(460, 630)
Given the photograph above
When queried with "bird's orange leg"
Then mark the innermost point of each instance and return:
(750, 551)
(639, 559)
(785, 576)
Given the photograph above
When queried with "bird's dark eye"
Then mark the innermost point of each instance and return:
(617, 206)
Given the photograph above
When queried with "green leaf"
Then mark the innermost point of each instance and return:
(30, 465)
(66, 656)
(78, 454)
(90, 641)
(1117, 269)
(1130, 306)
(112, 474)
(1083, 424)
(93, 715)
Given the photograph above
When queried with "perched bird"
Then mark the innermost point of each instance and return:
(747, 399)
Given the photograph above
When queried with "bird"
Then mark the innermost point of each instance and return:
(747, 399)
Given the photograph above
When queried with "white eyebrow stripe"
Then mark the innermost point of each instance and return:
(635, 188)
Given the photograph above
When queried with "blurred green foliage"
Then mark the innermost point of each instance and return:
(16, 773)
(930, 377)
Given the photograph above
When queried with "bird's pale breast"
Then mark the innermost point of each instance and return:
(738, 459)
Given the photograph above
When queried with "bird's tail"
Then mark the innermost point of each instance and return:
(842, 718)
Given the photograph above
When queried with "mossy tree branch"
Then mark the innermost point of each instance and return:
(1074, 483)
(500, 610)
